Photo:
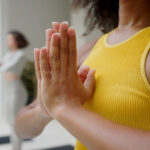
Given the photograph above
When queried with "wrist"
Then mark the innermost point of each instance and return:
(66, 108)
(40, 114)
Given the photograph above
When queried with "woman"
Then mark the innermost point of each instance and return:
(117, 116)
(12, 66)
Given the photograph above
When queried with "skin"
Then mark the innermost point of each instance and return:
(27, 129)
(66, 105)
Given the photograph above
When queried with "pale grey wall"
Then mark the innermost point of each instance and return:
(32, 17)
(78, 22)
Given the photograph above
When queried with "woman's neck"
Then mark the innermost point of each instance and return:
(134, 14)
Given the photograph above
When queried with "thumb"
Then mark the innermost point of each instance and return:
(83, 72)
(89, 83)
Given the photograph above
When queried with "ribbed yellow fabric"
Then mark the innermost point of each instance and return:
(122, 92)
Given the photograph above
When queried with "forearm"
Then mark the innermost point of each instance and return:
(30, 123)
(97, 133)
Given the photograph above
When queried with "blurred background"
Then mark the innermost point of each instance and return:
(32, 17)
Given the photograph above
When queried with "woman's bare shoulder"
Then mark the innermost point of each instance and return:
(84, 50)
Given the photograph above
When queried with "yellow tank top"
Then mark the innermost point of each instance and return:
(122, 92)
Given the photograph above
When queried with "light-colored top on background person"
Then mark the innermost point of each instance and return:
(13, 62)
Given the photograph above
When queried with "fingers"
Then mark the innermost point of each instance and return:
(82, 73)
(72, 52)
(55, 26)
(49, 33)
(44, 66)
(37, 63)
(89, 83)
(55, 63)
(64, 48)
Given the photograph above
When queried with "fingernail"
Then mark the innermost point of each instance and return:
(64, 25)
(35, 49)
(65, 22)
(46, 30)
(44, 47)
(44, 51)
(57, 36)
(72, 31)
(55, 22)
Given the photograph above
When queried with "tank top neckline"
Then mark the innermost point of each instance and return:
(124, 41)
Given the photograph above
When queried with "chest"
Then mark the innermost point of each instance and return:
(119, 83)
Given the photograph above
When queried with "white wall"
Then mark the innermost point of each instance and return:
(78, 22)
(0, 53)
(32, 17)
(3, 28)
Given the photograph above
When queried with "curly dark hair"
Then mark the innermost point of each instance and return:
(103, 14)
(21, 40)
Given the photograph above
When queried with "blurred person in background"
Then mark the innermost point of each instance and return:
(12, 65)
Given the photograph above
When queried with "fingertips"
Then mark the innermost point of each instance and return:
(55, 39)
(43, 52)
(91, 76)
(56, 26)
(63, 26)
(89, 83)
(82, 72)
(49, 33)
(71, 33)
(36, 53)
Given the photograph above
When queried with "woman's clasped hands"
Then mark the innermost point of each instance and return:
(60, 84)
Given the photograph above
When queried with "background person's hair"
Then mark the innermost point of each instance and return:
(21, 40)
(103, 14)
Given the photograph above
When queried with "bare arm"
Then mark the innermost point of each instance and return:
(97, 133)
(30, 122)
